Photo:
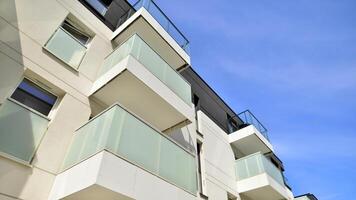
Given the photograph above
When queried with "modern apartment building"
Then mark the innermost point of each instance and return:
(98, 100)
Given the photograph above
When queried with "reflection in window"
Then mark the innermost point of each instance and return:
(31, 95)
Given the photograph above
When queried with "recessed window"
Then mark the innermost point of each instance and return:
(69, 43)
(78, 34)
(33, 96)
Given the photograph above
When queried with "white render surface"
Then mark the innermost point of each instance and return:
(219, 159)
(249, 140)
(121, 180)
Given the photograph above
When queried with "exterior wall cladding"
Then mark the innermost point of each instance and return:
(97, 102)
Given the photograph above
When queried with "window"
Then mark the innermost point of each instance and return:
(78, 34)
(69, 43)
(231, 124)
(101, 6)
(32, 96)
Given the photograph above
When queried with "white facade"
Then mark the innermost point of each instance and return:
(90, 109)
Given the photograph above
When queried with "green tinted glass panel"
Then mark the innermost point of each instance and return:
(66, 48)
(21, 130)
(272, 170)
(137, 48)
(177, 165)
(256, 164)
(139, 143)
(124, 135)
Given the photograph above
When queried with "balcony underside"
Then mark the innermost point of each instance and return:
(262, 187)
(95, 192)
(105, 176)
(249, 140)
(143, 24)
(134, 87)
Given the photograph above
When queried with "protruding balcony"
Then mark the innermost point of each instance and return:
(258, 178)
(306, 197)
(151, 23)
(251, 137)
(138, 78)
(116, 155)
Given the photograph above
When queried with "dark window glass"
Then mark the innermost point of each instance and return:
(34, 97)
(76, 33)
(231, 124)
(101, 6)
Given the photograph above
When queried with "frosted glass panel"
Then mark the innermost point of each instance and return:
(126, 136)
(137, 48)
(21, 130)
(256, 164)
(139, 143)
(177, 165)
(66, 48)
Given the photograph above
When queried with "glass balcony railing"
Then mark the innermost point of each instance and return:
(21, 131)
(137, 48)
(66, 48)
(249, 119)
(161, 18)
(123, 134)
(256, 164)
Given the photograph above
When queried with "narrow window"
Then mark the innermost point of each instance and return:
(231, 124)
(200, 180)
(32, 96)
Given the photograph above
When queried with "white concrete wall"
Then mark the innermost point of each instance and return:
(25, 26)
(219, 160)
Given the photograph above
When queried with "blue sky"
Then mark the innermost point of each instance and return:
(293, 64)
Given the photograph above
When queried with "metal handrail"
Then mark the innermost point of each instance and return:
(146, 4)
(260, 127)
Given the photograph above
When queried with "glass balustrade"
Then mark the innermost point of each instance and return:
(123, 134)
(141, 51)
(248, 118)
(161, 18)
(256, 164)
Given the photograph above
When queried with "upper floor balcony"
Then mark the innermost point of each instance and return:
(117, 155)
(251, 136)
(146, 19)
(259, 178)
(138, 78)
(306, 197)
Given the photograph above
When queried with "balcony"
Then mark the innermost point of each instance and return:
(149, 21)
(258, 178)
(66, 48)
(251, 137)
(306, 197)
(115, 151)
(137, 77)
(164, 21)
(21, 130)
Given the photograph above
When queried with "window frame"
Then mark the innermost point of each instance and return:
(73, 25)
(51, 112)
